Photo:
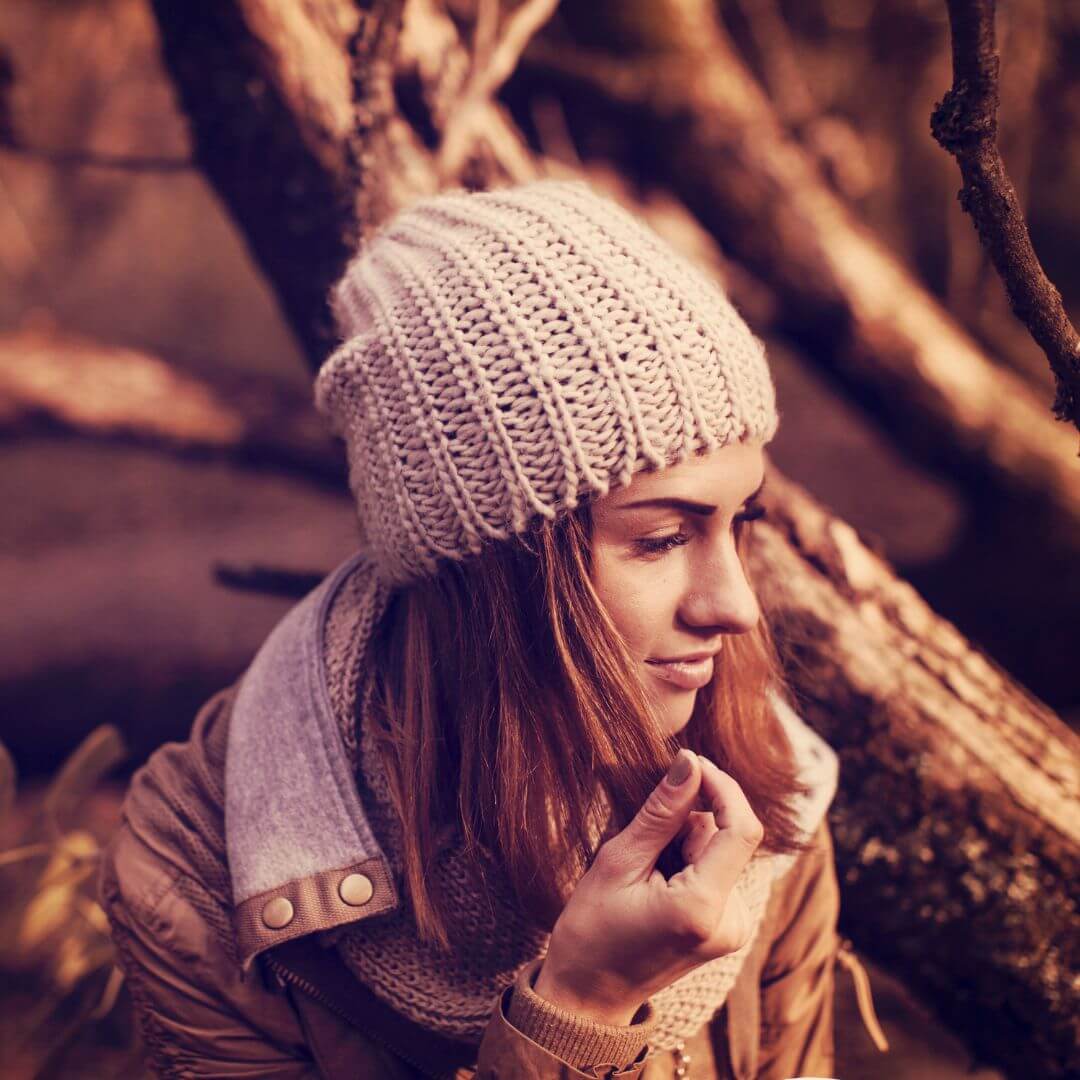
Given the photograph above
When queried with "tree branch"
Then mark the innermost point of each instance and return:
(473, 115)
(965, 124)
(68, 384)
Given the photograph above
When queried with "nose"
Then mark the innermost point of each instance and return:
(720, 599)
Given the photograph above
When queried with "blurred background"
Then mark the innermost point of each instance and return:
(158, 442)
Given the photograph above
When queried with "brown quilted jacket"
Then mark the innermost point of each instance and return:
(165, 887)
(222, 929)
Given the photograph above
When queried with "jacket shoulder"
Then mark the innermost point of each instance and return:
(197, 1014)
(175, 803)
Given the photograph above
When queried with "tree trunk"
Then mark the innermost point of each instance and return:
(956, 824)
(288, 106)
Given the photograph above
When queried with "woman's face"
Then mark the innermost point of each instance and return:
(666, 569)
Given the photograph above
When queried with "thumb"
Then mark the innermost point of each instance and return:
(661, 817)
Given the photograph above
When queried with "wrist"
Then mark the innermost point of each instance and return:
(564, 994)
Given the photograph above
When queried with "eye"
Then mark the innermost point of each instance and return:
(660, 545)
(752, 513)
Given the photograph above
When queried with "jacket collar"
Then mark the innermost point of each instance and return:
(302, 855)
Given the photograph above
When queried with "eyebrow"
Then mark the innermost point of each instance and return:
(689, 505)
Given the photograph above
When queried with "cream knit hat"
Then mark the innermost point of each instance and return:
(509, 353)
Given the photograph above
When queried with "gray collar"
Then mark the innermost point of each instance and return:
(291, 805)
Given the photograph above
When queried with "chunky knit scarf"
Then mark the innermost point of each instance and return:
(453, 994)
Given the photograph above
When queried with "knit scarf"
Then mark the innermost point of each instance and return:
(452, 994)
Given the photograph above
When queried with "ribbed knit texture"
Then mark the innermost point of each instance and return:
(571, 1037)
(508, 353)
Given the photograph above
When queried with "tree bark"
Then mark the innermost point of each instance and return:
(956, 822)
(289, 112)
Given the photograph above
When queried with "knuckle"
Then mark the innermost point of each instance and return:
(656, 808)
(693, 924)
(609, 858)
(750, 831)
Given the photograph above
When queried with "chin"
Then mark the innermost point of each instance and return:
(674, 720)
(672, 708)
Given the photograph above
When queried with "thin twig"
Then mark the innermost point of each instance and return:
(965, 124)
(519, 30)
(473, 117)
(269, 580)
(780, 69)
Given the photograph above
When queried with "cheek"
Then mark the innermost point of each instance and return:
(631, 615)
(637, 601)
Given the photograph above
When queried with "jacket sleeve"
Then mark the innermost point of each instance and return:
(797, 979)
(531, 1038)
(197, 1014)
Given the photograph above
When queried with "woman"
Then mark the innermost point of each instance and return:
(515, 792)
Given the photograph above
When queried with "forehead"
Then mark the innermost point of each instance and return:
(723, 477)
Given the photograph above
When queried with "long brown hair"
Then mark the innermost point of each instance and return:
(511, 715)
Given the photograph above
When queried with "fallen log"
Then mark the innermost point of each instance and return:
(957, 822)
(52, 382)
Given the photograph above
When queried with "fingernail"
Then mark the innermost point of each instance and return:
(680, 769)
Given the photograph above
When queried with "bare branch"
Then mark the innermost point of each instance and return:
(520, 27)
(65, 383)
(965, 124)
(474, 119)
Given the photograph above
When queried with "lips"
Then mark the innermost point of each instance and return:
(686, 673)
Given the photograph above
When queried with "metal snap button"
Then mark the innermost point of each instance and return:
(278, 913)
(356, 889)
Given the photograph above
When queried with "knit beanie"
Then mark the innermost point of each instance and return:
(507, 354)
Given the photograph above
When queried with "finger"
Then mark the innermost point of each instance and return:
(738, 831)
(700, 829)
(724, 796)
(634, 851)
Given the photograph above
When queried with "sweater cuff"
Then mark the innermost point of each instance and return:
(572, 1037)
